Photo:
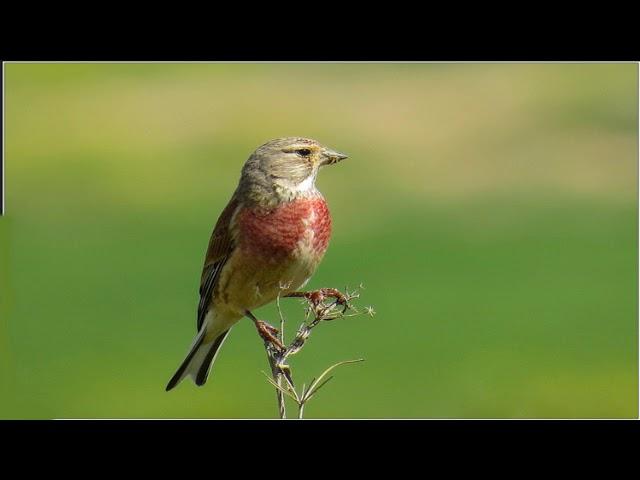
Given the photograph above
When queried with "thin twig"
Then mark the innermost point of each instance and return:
(282, 408)
(317, 308)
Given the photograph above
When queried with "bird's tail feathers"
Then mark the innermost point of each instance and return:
(198, 361)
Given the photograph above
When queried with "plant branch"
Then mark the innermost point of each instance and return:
(317, 310)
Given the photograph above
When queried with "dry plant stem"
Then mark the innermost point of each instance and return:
(271, 357)
(272, 344)
(282, 407)
(278, 353)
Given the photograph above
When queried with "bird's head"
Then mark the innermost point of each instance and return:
(288, 166)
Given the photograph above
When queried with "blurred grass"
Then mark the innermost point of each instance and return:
(490, 211)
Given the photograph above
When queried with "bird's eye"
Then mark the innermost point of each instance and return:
(303, 152)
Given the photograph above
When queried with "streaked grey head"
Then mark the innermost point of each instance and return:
(285, 166)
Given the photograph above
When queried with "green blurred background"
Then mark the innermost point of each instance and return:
(489, 210)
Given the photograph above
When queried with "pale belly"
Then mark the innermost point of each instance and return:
(248, 282)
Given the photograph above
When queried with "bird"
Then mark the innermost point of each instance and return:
(268, 241)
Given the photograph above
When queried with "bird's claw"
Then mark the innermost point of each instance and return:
(268, 334)
(317, 297)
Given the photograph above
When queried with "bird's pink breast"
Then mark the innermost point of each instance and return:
(281, 231)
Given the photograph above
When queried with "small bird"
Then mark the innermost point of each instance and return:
(268, 241)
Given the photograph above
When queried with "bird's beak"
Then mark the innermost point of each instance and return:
(330, 157)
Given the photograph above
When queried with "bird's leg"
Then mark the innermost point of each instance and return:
(267, 332)
(315, 297)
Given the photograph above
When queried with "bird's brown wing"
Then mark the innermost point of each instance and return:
(220, 249)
